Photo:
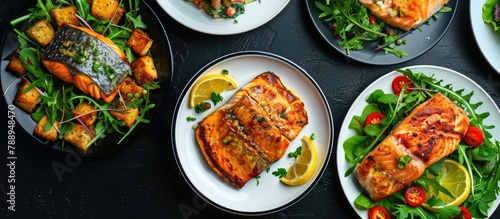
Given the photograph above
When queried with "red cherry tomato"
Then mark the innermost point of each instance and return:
(374, 118)
(378, 212)
(372, 20)
(464, 214)
(474, 136)
(414, 196)
(399, 82)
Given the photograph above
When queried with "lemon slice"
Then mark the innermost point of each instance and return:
(303, 168)
(456, 179)
(207, 84)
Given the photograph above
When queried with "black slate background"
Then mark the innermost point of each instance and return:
(142, 181)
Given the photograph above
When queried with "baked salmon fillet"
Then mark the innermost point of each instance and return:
(404, 14)
(240, 140)
(432, 131)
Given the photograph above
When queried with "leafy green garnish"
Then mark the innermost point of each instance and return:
(280, 172)
(216, 98)
(482, 163)
(58, 99)
(296, 153)
(489, 14)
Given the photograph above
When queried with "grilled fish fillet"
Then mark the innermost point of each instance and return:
(404, 14)
(72, 55)
(243, 137)
(432, 131)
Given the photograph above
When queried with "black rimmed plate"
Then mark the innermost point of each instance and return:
(350, 184)
(419, 42)
(161, 52)
(253, 198)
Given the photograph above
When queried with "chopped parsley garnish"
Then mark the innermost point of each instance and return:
(225, 71)
(257, 178)
(189, 118)
(216, 98)
(281, 172)
(296, 153)
(313, 136)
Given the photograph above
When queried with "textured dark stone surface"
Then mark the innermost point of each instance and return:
(143, 180)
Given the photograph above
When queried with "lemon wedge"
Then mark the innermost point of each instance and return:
(303, 168)
(209, 83)
(457, 180)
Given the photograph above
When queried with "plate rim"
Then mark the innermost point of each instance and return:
(162, 99)
(193, 26)
(329, 147)
(340, 156)
(350, 57)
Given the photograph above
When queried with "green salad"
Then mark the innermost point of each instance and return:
(478, 154)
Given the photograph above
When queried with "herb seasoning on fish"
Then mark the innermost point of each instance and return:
(63, 49)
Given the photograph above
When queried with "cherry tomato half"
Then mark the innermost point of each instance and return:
(464, 214)
(374, 118)
(414, 196)
(371, 19)
(474, 136)
(399, 82)
(378, 212)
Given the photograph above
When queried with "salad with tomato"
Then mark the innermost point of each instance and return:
(478, 151)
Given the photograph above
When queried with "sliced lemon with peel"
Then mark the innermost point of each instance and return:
(457, 180)
(303, 168)
(203, 88)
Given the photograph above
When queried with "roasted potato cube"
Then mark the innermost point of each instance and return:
(140, 42)
(128, 116)
(27, 99)
(80, 137)
(42, 32)
(144, 70)
(130, 90)
(104, 9)
(50, 134)
(85, 112)
(119, 13)
(16, 65)
(65, 15)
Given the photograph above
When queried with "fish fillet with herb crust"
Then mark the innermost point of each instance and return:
(252, 130)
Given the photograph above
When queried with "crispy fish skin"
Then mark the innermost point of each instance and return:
(62, 56)
(240, 140)
(404, 14)
(432, 131)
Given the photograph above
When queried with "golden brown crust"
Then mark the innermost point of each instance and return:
(432, 131)
(241, 139)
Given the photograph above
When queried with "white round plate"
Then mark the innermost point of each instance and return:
(487, 39)
(350, 184)
(257, 13)
(267, 194)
